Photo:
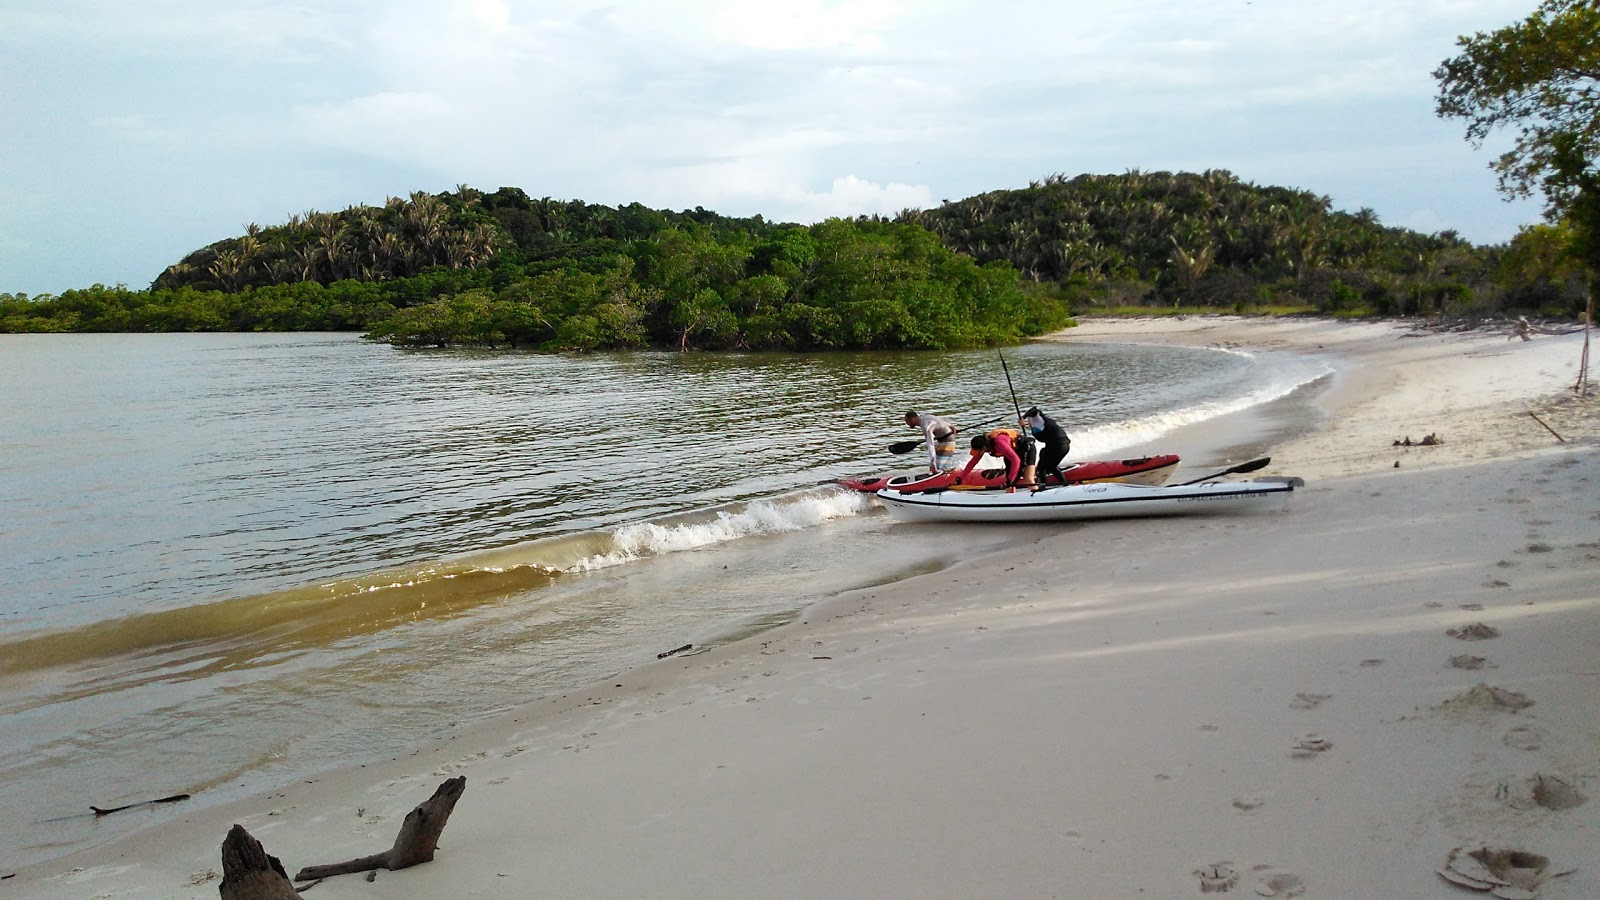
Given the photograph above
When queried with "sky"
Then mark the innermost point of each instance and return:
(134, 133)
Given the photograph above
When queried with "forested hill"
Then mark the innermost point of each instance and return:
(501, 269)
(461, 229)
(496, 269)
(1210, 239)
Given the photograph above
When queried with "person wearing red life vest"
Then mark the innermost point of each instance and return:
(1002, 443)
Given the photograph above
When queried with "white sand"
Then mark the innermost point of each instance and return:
(1103, 713)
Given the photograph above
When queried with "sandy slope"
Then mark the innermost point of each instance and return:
(1113, 711)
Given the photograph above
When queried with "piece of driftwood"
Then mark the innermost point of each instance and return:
(106, 812)
(250, 873)
(674, 651)
(418, 838)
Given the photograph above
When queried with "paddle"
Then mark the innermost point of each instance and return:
(899, 447)
(1250, 466)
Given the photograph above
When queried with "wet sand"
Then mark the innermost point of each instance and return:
(1323, 702)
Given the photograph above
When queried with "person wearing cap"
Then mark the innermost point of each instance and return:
(1053, 442)
(940, 434)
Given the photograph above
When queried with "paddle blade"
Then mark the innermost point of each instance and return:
(1240, 469)
(903, 446)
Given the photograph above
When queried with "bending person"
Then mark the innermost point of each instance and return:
(1053, 441)
(941, 437)
(999, 443)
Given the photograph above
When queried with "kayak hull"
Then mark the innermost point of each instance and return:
(1151, 470)
(1108, 500)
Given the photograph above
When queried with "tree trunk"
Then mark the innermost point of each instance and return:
(418, 838)
(249, 873)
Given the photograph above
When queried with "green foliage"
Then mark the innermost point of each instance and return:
(1207, 240)
(1537, 77)
(505, 270)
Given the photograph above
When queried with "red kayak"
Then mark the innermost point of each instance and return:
(1153, 470)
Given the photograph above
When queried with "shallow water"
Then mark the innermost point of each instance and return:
(230, 560)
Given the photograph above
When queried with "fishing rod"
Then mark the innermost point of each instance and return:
(1003, 367)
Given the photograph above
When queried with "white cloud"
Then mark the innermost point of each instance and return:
(850, 196)
(799, 110)
(802, 24)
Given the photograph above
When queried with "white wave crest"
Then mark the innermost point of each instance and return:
(759, 517)
(1101, 440)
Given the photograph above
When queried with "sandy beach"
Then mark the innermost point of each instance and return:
(1321, 703)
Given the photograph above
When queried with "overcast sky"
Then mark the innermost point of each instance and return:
(134, 133)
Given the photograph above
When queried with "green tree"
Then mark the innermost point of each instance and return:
(1540, 77)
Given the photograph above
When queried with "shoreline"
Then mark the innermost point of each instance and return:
(1038, 722)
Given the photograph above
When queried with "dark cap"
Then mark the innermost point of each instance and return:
(1032, 411)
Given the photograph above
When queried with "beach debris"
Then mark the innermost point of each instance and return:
(1280, 884)
(1248, 802)
(674, 651)
(1506, 873)
(1547, 791)
(1432, 440)
(416, 843)
(1369, 663)
(109, 810)
(1524, 737)
(1468, 661)
(1477, 631)
(1482, 696)
(1546, 427)
(1216, 878)
(1308, 701)
(1310, 746)
(249, 872)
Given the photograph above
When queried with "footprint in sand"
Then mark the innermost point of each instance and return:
(1472, 607)
(1524, 737)
(1468, 661)
(1477, 631)
(1539, 790)
(1493, 583)
(1309, 746)
(1216, 878)
(1482, 696)
(1369, 663)
(1272, 882)
(1308, 701)
(1248, 803)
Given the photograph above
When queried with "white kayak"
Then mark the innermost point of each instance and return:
(1089, 501)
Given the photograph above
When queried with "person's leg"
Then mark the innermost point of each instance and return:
(1050, 462)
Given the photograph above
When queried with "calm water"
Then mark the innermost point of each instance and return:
(229, 560)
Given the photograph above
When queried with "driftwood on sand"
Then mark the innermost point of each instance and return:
(418, 838)
(250, 873)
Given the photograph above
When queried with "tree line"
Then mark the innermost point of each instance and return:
(465, 267)
(1211, 240)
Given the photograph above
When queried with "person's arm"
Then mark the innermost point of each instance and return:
(972, 461)
(927, 436)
